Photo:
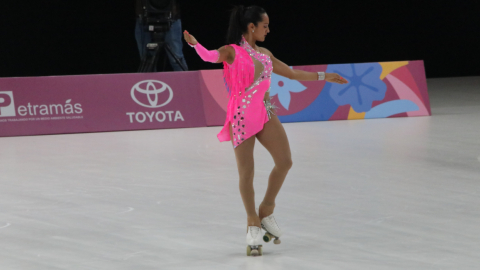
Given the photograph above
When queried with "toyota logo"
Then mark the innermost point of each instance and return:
(151, 89)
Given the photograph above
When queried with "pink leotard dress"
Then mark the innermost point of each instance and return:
(247, 79)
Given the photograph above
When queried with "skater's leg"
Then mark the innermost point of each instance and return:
(274, 139)
(244, 157)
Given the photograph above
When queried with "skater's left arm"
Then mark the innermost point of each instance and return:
(282, 69)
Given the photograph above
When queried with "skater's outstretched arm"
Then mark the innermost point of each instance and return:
(224, 54)
(282, 69)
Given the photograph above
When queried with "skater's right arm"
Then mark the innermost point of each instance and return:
(224, 54)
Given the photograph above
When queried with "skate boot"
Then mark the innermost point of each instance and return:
(254, 241)
(273, 231)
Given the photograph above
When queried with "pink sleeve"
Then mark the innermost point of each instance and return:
(206, 55)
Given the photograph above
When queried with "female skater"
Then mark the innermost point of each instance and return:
(247, 72)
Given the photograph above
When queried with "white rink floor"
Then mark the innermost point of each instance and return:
(380, 194)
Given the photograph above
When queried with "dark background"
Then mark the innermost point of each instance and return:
(45, 38)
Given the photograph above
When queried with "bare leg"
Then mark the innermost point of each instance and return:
(245, 164)
(274, 139)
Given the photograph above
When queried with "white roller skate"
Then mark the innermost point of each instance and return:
(273, 231)
(254, 241)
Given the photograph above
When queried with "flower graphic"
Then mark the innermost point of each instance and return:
(363, 88)
(282, 87)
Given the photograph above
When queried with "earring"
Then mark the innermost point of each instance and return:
(253, 31)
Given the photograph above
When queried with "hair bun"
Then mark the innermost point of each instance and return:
(240, 17)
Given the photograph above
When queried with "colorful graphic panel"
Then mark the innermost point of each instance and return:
(375, 90)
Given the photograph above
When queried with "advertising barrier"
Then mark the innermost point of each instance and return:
(137, 101)
(94, 103)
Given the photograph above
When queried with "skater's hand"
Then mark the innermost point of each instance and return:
(335, 78)
(189, 38)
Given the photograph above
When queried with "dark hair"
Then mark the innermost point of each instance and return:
(240, 18)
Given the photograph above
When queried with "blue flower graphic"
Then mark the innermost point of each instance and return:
(282, 87)
(363, 88)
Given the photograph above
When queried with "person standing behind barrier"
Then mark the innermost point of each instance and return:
(173, 37)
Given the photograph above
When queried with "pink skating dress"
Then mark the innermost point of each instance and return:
(247, 79)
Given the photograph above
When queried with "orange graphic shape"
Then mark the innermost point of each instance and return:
(388, 67)
(352, 114)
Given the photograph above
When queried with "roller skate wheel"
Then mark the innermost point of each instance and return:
(267, 237)
(260, 250)
(277, 241)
